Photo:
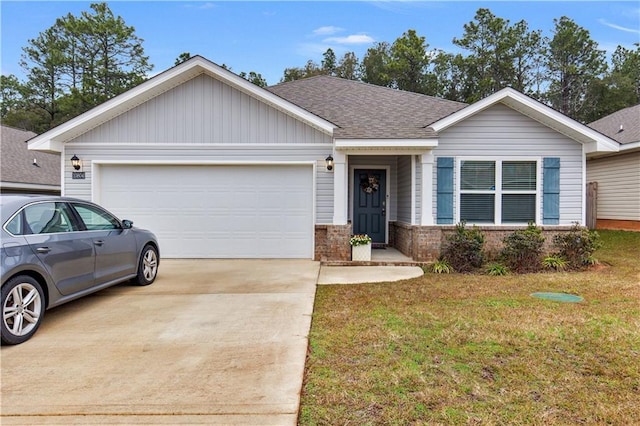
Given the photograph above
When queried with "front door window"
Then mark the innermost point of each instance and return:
(369, 204)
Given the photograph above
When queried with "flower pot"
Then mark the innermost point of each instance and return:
(361, 253)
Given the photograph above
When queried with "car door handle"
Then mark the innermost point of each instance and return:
(98, 242)
(43, 250)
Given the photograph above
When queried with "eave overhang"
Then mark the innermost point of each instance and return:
(385, 146)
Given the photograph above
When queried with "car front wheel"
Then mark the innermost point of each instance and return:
(148, 266)
(23, 308)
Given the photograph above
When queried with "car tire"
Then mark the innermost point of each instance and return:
(147, 266)
(23, 307)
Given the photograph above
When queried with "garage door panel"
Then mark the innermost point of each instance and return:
(217, 211)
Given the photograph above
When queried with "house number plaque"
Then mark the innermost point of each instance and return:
(77, 175)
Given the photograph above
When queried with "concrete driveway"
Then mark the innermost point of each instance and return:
(210, 342)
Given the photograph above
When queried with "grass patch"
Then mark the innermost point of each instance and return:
(471, 349)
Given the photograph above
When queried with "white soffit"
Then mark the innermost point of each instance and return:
(410, 145)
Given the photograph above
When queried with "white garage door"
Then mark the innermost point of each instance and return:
(216, 211)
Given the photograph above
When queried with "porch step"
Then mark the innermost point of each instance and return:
(380, 256)
(372, 263)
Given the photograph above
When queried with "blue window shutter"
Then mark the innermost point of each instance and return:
(551, 191)
(445, 191)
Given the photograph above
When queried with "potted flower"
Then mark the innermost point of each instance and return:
(360, 247)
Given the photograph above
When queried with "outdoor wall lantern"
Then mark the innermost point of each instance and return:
(75, 162)
(329, 161)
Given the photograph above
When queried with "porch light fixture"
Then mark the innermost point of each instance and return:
(329, 161)
(75, 162)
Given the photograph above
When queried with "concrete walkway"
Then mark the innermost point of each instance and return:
(210, 342)
(366, 274)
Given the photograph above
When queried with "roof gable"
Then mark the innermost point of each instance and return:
(592, 140)
(54, 139)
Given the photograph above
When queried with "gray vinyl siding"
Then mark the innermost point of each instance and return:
(500, 132)
(204, 110)
(404, 189)
(392, 179)
(618, 179)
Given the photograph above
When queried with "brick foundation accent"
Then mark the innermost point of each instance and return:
(423, 243)
(622, 225)
(332, 243)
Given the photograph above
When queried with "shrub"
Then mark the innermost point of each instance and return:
(464, 250)
(577, 246)
(554, 262)
(441, 267)
(497, 269)
(522, 249)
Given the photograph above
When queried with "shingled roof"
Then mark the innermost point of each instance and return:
(18, 171)
(622, 126)
(366, 111)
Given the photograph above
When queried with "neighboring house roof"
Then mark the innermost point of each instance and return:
(366, 111)
(18, 171)
(623, 126)
(54, 139)
(592, 140)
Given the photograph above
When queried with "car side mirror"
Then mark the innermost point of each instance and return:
(127, 224)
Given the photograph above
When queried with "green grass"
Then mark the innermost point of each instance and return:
(478, 349)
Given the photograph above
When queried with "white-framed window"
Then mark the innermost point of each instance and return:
(498, 192)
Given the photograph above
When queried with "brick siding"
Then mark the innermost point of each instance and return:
(423, 243)
(332, 243)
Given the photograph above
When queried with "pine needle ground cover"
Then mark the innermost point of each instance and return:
(478, 349)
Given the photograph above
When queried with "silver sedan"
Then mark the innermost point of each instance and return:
(57, 249)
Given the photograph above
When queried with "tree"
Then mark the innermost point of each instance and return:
(618, 89)
(375, 68)
(81, 62)
(409, 62)
(112, 55)
(348, 67)
(183, 57)
(450, 76)
(329, 66)
(574, 63)
(501, 55)
(626, 65)
(45, 61)
(11, 95)
(309, 70)
(254, 77)
(16, 111)
(526, 56)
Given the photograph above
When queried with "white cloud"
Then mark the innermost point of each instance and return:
(328, 30)
(350, 39)
(618, 27)
(201, 6)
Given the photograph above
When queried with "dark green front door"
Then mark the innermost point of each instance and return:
(370, 204)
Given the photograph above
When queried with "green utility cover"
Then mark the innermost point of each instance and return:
(558, 297)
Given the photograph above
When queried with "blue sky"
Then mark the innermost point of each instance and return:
(268, 36)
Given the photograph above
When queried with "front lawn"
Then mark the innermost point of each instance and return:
(477, 349)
